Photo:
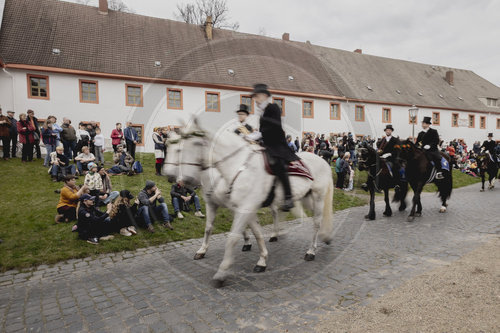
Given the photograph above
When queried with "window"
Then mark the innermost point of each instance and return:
(247, 100)
(307, 109)
(212, 101)
(334, 111)
(89, 91)
(436, 118)
(498, 123)
(471, 120)
(139, 128)
(38, 86)
(359, 137)
(412, 121)
(281, 103)
(386, 115)
(359, 113)
(134, 95)
(454, 120)
(491, 102)
(174, 98)
(482, 122)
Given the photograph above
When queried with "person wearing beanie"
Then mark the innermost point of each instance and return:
(148, 208)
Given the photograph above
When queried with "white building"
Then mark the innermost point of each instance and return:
(88, 63)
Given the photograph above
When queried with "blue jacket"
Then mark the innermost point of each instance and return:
(130, 134)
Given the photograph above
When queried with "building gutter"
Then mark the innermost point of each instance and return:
(13, 86)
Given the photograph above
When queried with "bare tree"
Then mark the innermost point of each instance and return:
(197, 12)
(116, 5)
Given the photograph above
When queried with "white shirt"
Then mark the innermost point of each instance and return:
(99, 140)
(388, 138)
(79, 134)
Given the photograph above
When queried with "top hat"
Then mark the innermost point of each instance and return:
(427, 120)
(260, 88)
(389, 127)
(243, 108)
(490, 135)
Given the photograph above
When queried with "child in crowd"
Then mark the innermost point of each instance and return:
(83, 159)
(93, 181)
(99, 146)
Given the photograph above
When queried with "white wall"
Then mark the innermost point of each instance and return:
(65, 102)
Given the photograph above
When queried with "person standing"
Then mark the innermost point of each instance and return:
(49, 138)
(116, 136)
(131, 139)
(159, 141)
(82, 137)
(428, 139)
(12, 135)
(68, 138)
(36, 133)
(99, 146)
(26, 129)
(91, 130)
(5, 125)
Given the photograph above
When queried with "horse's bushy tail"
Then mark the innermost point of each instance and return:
(401, 194)
(326, 227)
(446, 185)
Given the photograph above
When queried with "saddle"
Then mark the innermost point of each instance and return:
(444, 164)
(295, 168)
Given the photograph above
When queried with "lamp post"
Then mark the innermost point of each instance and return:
(413, 116)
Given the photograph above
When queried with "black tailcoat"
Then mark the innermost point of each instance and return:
(273, 135)
(431, 138)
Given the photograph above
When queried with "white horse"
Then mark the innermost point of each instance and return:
(242, 167)
(215, 191)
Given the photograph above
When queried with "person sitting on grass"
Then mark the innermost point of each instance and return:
(106, 195)
(68, 200)
(83, 159)
(123, 214)
(60, 163)
(182, 197)
(93, 225)
(93, 181)
(123, 162)
(148, 210)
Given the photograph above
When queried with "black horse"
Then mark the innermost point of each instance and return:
(487, 166)
(419, 171)
(379, 178)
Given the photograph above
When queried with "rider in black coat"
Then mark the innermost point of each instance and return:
(428, 139)
(274, 140)
(387, 150)
(490, 145)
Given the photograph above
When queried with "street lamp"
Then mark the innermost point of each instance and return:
(413, 116)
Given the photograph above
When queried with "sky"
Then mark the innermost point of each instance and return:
(452, 33)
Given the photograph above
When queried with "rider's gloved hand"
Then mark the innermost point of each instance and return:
(386, 155)
(426, 147)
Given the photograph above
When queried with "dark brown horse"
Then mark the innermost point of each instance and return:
(419, 171)
(487, 166)
(379, 178)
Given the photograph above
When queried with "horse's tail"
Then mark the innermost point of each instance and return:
(446, 185)
(326, 227)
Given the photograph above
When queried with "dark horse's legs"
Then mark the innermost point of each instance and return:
(371, 213)
(403, 191)
(417, 189)
(482, 172)
(388, 210)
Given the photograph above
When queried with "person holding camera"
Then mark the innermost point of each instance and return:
(148, 209)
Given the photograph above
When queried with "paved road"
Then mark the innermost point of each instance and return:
(161, 289)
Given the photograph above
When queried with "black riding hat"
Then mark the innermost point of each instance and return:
(243, 108)
(260, 88)
(490, 135)
(389, 127)
(427, 120)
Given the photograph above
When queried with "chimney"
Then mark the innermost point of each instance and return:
(286, 36)
(208, 27)
(103, 7)
(360, 51)
(449, 77)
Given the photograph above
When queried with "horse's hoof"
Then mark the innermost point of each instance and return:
(410, 218)
(481, 190)
(418, 214)
(246, 247)
(273, 239)
(218, 283)
(387, 214)
(199, 256)
(369, 217)
(442, 209)
(259, 269)
(309, 257)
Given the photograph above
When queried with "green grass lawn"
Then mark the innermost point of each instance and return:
(30, 236)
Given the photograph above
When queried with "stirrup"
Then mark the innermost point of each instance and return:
(439, 175)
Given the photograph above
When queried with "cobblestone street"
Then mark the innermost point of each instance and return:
(162, 289)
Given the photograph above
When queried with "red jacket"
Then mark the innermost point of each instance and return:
(25, 129)
(116, 136)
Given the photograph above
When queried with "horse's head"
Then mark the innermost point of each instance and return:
(186, 156)
(406, 149)
(366, 156)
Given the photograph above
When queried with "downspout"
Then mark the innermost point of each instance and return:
(13, 90)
